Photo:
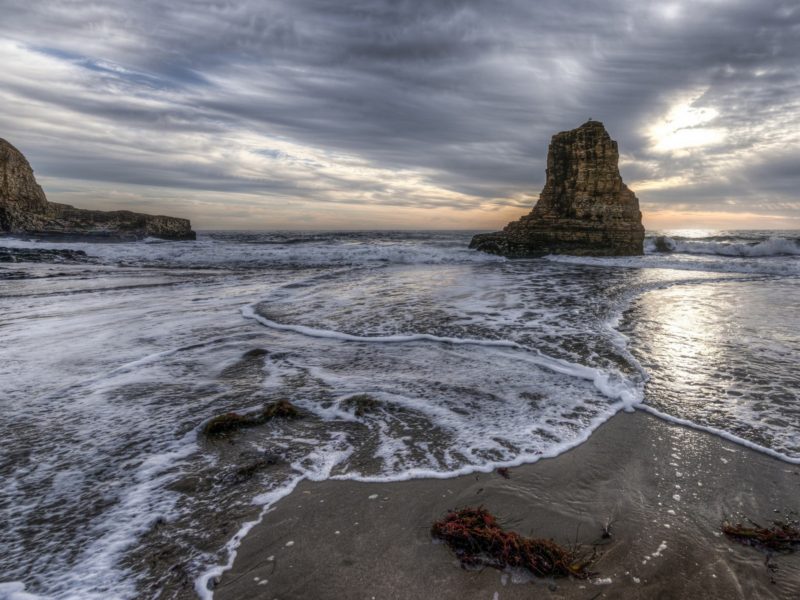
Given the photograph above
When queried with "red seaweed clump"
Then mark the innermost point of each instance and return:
(477, 539)
(783, 536)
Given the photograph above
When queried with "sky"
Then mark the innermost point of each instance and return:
(397, 114)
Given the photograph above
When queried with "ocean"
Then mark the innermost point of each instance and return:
(111, 367)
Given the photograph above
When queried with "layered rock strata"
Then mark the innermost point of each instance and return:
(584, 208)
(25, 210)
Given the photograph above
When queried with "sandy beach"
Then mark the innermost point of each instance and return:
(665, 488)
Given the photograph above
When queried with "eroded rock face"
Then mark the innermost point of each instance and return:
(24, 209)
(584, 208)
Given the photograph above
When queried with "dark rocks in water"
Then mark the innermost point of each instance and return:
(252, 467)
(230, 422)
(24, 210)
(361, 404)
(282, 409)
(12, 255)
(584, 208)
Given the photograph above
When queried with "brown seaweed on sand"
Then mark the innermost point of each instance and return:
(782, 536)
(478, 540)
(230, 422)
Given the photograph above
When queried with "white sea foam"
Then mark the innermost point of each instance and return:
(249, 312)
(609, 384)
(96, 379)
(15, 590)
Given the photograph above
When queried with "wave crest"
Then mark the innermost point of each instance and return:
(775, 246)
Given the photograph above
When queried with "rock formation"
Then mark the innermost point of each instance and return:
(11, 255)
(584, 208)
(25, 210)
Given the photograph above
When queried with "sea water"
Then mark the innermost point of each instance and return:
(110, 368)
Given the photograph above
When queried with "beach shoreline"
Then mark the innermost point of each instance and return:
(116, 491)
(665, 488)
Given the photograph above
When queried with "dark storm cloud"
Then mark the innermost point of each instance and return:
(465, 93)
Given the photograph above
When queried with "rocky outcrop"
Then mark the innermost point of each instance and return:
(48, 255)
(584, 208)
(25, 210)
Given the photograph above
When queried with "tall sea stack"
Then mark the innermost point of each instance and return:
(24, 210)
(584, 208)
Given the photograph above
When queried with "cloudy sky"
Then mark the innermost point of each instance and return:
(315, 114)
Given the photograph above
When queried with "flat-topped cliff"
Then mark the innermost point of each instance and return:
(24, 209)
(585, 208)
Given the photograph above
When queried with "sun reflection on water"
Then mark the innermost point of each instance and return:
(723, 353)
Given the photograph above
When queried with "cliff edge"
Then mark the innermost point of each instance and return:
(585, 208)
(25, 210)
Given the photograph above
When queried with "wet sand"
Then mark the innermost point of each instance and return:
(666, 488)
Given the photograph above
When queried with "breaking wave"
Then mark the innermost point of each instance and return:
(775, 246)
